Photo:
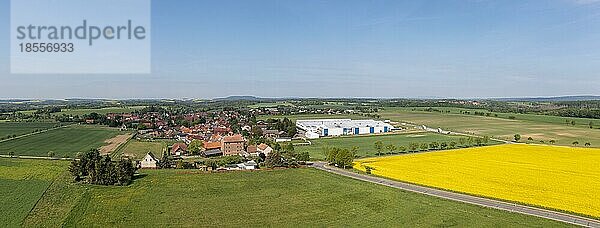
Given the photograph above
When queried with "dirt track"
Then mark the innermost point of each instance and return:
(114, 143)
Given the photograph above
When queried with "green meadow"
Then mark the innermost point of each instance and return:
(137, 149)
(291, 197)
(312, 116)
(21, 128)
(22, 184)
(63, 142)
(366, 144)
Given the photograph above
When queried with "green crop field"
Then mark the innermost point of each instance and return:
(538, 127)
(63, 142)
(366, 144)
(271, 105)
(79, 112)
(312, 116)
(21, 128)
(22, 183)
(137, 149)
(293, 197)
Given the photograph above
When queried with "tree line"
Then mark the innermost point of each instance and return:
(463, 142)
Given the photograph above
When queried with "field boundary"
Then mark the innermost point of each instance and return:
(480, 201)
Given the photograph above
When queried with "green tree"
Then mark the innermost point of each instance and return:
(588, 144)
(288, 148)
(302, 156)
(591, 124)
(452, 144)
(51, 154)
(413, 146)
(391, 148)
(443, 145)
(256, 131)
(125, 171)
(195, 147)
(379, 147)
(486, 140)
(433, 145)
(462, 141)
(340, 157)
(552, 141)
(344, 158)
(96, 169)
(424, 146)
(575, 143)
(275, 159)
(517, 137)
(402, 149)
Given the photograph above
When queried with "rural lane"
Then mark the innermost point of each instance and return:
(485, 202)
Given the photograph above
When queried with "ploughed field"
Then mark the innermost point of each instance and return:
(561, 178)
(39, 193)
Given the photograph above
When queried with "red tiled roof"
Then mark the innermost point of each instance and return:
(179, 146)
(262, 146)
(251, 149)
(233, 138)
(212, 145)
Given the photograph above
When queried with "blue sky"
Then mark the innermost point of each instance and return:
(345, 48)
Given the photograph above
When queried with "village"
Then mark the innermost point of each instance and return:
(230, 139)
(227, 139)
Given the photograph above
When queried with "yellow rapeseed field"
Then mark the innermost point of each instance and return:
(563, 178)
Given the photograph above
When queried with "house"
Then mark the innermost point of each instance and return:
(272, 133)
(150, 161)
(249, 165)
(246, 128)
(212, 152)
(264, 148)
(285, 139)
(204, 168)
(216, 138)
(252, 150)
(211, 145)
(233, 145)
(179, 149)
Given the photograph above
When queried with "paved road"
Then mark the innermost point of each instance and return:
(562, 217)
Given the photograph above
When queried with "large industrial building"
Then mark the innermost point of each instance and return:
(338, 127)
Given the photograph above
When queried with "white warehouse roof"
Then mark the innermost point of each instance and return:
(319, 124)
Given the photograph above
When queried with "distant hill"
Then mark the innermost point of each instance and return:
(239, 98)
(548, 99)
